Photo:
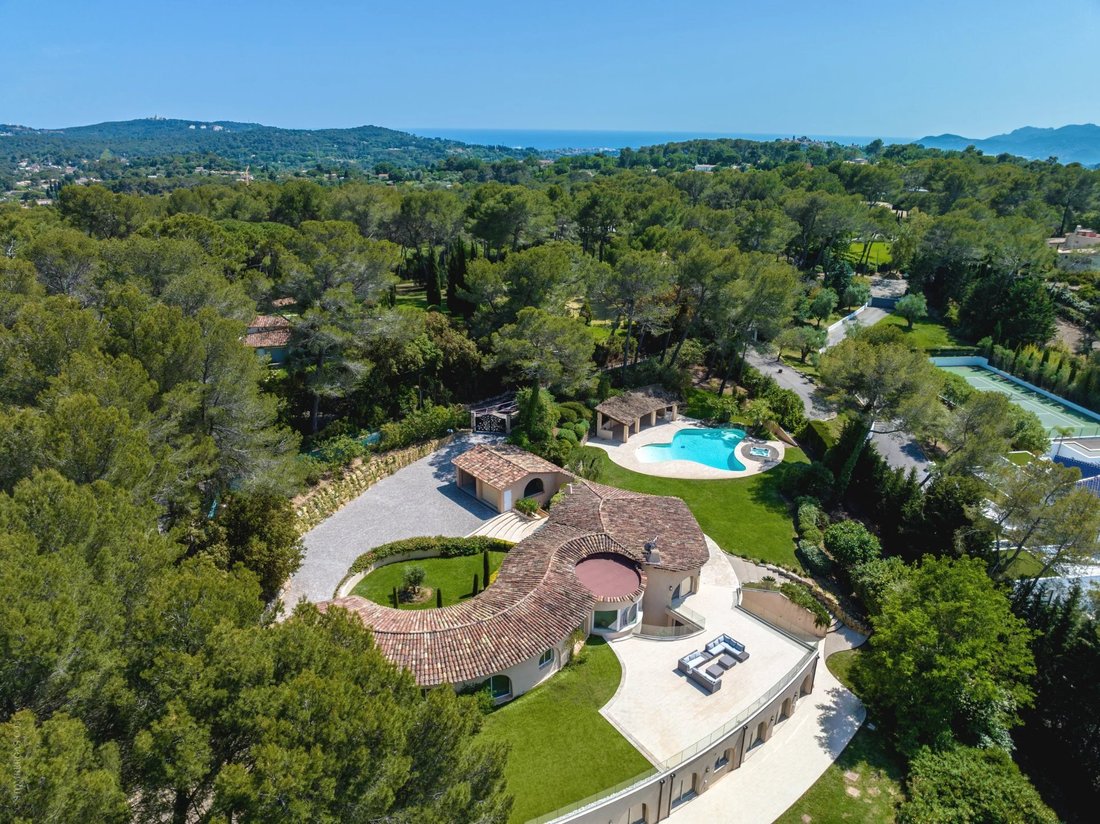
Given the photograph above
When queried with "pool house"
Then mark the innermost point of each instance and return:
(621, 416)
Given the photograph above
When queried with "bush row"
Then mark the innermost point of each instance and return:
(446, 547)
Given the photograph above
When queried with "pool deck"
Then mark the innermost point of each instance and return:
(624, 455)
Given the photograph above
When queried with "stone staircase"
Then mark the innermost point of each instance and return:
(509, 526)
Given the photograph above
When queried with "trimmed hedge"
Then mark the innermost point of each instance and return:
(817, 438)
(814, 559)
(448, 548)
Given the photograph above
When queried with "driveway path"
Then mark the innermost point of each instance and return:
(789, 378)
(420, 499)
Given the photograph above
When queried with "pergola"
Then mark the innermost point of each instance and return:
(629, 410)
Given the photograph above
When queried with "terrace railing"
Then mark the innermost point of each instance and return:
(691, 623)
(566, 813)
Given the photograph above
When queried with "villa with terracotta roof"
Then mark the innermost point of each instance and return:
(501, 474)
(605, 562)
(269, 335)
(618, 415)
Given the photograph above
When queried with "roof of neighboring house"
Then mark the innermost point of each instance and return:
(537, 600)
(501, 465)
(629, 406)
(268, 331)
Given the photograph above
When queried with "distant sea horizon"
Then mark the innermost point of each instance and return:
(595, 139)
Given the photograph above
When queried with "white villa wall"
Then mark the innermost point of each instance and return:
(526, 675)
(658, 595)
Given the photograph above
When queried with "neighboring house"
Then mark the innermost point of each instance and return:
(501, 474)
(269, 335)
(618, 415)
(705, 167)
(1078, 251)
(605, 562)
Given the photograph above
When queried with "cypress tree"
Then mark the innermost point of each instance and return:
(431, 276)
(438, 597)
(474, 590)
(485, 566)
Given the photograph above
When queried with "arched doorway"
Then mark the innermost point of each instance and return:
(683, 789)
(534, 487)
(786, 710)
(807, 685)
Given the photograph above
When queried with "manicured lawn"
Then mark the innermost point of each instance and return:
(455, 576)
(561, 748)
(880, 252)
(1020, 458)
(745, 516)
(863, 785)
(925, 334)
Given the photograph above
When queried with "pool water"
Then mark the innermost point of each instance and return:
(711, 447)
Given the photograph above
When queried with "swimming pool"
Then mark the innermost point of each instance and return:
(716, 448)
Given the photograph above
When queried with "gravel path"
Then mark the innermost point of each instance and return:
(420, 499)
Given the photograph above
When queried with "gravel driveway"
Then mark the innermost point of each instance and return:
(420, 499)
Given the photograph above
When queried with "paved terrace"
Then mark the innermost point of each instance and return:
(420, 499)
(662, 712)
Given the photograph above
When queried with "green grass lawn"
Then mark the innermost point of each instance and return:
(561, 748)
(455, 576)
(863, 785)
(746, 516)
(1020, 458)
(880, 252)
(925, 334)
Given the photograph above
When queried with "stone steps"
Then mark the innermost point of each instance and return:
(509, 526)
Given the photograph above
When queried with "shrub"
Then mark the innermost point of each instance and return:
(814, 559)
(580, 429)
(527, 506)
(566, 415)
(851, 544)
(568, 435)
(423, 425)
(970, 784)
(583, 413)
(798, 594)
(339, 451)
(813, 479)
(810, 518)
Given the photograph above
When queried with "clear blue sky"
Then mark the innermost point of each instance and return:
(822, 67)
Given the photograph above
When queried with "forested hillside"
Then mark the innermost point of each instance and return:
(147, 455)
(156, 142)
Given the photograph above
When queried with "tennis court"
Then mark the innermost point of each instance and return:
(1053, 414)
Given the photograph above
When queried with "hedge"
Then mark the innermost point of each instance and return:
(448, 548)
(817, 438)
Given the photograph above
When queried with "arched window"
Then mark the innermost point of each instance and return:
(500, 687)
(535, 487)
(546, 659)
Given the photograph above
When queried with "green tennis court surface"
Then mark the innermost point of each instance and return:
(1052, 414)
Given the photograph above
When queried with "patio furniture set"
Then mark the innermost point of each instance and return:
(707, 666)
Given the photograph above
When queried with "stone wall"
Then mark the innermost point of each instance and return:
(330, 495)
(775, 608)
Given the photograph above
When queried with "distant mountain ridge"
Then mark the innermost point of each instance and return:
(1070, 144)
(240, 143)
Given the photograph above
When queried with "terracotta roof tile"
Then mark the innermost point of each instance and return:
(536, 600)
(501, 465)
(268, 331)
(629, 406)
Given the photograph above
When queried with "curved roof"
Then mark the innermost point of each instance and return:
(537, 599)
